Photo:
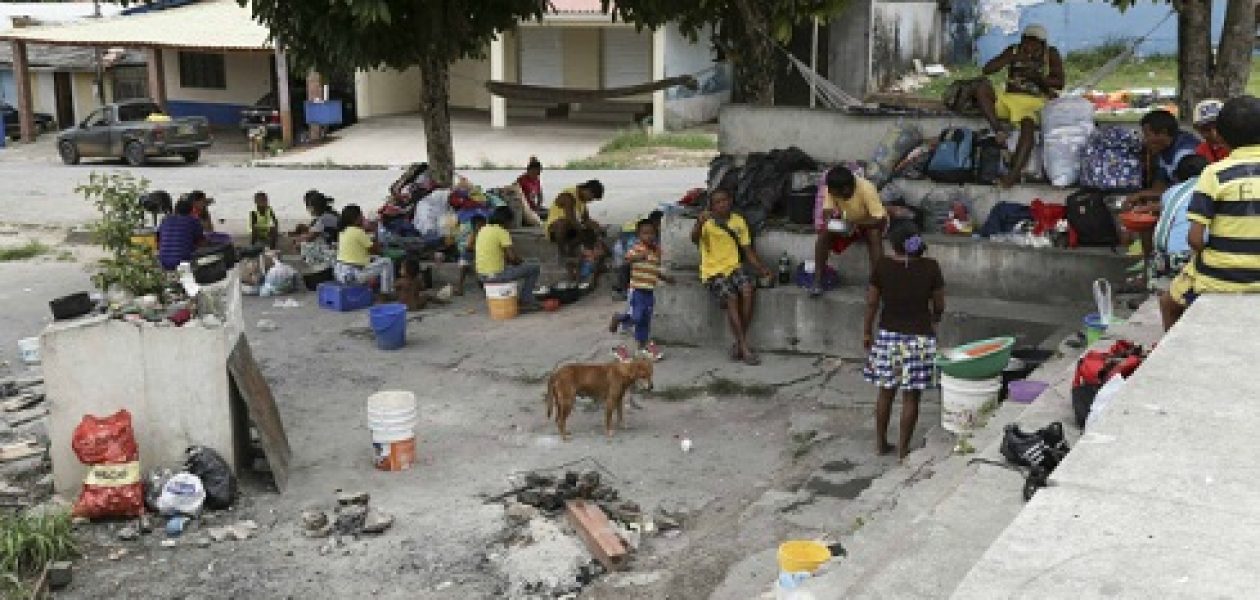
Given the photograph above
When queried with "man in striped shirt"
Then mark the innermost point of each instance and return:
(645, 274)
(1226, 202)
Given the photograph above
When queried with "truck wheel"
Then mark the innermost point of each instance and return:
(69, 153)
(191, 156)
(134, 153)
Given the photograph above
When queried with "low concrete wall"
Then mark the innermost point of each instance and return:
(827, 135)
(971, 267)
(1158, 498)
(173, 380)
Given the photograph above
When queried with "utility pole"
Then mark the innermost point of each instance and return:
(99, 59)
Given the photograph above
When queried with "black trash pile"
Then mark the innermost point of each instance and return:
(762, 183)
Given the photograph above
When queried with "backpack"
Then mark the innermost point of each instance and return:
(1094, 369)
(990, 165)
(954, 160)
(960, 96)
(1112, 160)
(1090, 221)
(897, 142)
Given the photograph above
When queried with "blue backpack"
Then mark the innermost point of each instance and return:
(954, 160)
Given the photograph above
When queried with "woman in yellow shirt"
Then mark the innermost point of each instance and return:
(355, 263)
(566, 220)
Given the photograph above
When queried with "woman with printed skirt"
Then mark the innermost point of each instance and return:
(907, 293)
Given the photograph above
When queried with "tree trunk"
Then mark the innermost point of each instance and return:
(435, 110)
(1233, 60)
(756, 65)
(1194, 52)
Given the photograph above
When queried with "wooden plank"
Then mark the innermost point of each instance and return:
(249, 382)
(597, 532)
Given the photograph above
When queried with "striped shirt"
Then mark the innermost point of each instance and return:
(645, 266)
(178, 236)
(1227, 201)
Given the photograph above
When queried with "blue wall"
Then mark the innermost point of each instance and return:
(8, 88)
(1081, 24)
(218, 114)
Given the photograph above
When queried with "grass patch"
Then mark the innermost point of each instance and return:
(629, 140)
(720, 386)
(642, 150)
(28, 542)
(66, 256)
(26, 251)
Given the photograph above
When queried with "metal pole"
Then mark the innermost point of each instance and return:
(100, 67)
(813, 65)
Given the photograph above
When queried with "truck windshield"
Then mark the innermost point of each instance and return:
(137, 112)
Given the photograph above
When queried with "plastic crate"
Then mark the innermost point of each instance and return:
(344, 298)
(328, 112)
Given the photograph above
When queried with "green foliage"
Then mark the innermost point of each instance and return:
(641, 139)
(29, 541)
(692, 17)
(331, 35)
(130, 266)
(30, 249)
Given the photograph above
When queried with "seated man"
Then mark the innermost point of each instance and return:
(1034, 74)
(1223, 201)
(1213, 147)
(179, 235)
(725, 244)
(855, 201)
(1166, 145)
(567, 217)
(497, 261)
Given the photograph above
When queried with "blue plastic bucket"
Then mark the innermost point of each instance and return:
(389, 321)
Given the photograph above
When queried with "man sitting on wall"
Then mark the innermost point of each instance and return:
(1034, 74)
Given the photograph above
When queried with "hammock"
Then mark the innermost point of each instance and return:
(830, 93)
(1110, 66)
(538, 93)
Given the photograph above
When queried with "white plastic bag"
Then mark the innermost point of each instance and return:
(280, 279)
(1066, 124)
(183, 494)
(1103, 398)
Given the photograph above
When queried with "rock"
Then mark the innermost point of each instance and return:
(202, 541)
(129, 533)
(348, 498)
(60, 573)
(169, 543)
(314, 519)
(519, 513)
(219, 534)
(8, 489)
(44, 486)
(243, 530)
(267, 325)
(117, 553)
(377, 522)
(350, 518)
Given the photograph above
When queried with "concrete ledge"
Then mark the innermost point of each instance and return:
(1158, 498)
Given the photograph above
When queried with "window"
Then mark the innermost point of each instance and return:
(96, 119)
(201, 70)
(130, 83)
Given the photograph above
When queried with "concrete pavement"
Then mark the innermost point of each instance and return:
(399, 140)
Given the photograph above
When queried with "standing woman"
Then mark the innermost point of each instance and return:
(908, 292)
(355, 263)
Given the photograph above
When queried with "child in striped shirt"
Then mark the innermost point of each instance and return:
(645, 274)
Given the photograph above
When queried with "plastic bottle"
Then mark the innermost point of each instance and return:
(785, 269)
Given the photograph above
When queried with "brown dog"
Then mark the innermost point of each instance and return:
(608, 382)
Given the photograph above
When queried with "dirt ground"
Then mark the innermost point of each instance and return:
(758, 434)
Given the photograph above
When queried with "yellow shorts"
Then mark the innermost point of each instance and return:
(1182, 288)
(1016, 107)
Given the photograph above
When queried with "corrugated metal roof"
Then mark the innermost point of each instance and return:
(52, 12)
(71, 58)
(209, 25)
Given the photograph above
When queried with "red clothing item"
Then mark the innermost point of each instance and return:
(1212, 153)
(532, 188)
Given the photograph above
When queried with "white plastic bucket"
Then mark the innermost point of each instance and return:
(28, 350)
(963, 401)
(392, 419)
(501, 290)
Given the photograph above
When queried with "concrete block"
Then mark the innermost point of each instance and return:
(173, 381)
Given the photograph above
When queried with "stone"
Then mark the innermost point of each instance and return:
(117, 553)
(129, 533)
(519, 513)
(377, 522)
(202, 541)
(348, 498)
(314, 519)
(267, 325)
(169, 543)
(60, 573)
(350, 518)
(219, 534)
(243, 530)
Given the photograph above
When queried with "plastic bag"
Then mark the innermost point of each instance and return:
(280, 279)
(1103, 399)
(215, 474)
(183, 494)
(112, 487)
(153, 488)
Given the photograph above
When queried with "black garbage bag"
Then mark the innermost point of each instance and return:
(215, 475)
(153, 485)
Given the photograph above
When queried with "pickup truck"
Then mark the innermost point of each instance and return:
(135, 130)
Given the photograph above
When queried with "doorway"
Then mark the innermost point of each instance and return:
(63, 92)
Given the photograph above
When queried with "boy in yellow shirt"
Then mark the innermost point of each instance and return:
(725, 244)
(497, 261)
(855, 202)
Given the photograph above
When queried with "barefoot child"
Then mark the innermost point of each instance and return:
(645, 274)
(467, 253)
(264, 228)
(410, 286)
(908, 292)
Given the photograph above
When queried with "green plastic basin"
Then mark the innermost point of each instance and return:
(956, 363)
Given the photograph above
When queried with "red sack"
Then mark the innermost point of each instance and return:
(1046, 216)
(112, 487)
(692, 197)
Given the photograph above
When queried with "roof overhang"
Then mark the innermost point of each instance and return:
(210, 25)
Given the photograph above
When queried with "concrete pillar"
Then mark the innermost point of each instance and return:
(658, 73)
(315, 93)
(282, 96)
(498, 68)
(22, 77)
(157, 76)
